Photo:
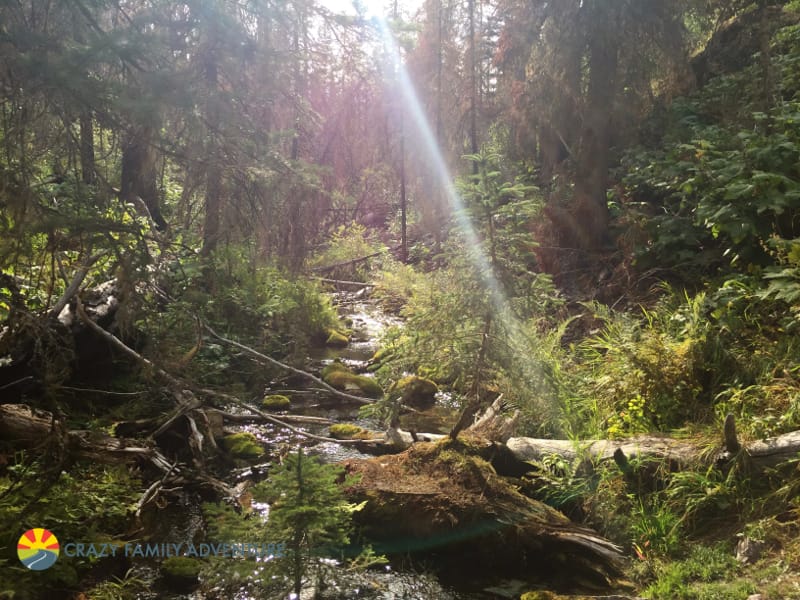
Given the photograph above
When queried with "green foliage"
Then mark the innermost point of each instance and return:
(655, 527)
(705, 497)
(649, 374)
(474, 324)
(727, 182)
(309, 512)
(127, 588)
(264, 307)
(396, 284)
(347, 244)
(699, 575)
(67, 504)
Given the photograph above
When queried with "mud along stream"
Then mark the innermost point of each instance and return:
(405, 576)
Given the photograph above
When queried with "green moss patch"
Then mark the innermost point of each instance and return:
(276, 402)
(340, 377)
(336, 365)
(180, 572)
(336, 339)
(348, 431)
(242, 445)
(417, 392)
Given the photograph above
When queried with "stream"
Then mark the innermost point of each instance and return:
(407, 580)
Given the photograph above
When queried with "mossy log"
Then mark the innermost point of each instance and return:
(446, 500)
(759, 455)
(26, 427)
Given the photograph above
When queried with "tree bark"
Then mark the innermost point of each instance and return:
(760, 455)
(139, 172)
(591, 210)
(87, 147)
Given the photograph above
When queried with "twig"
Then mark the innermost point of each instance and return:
(187, 405)
(289, 368)
(343, 282)
(152, 490)
(95, 391)
(13, 383)
(351, 262)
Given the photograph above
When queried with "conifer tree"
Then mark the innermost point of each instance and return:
(309, 514)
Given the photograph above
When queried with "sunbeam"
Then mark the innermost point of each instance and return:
(502, 311)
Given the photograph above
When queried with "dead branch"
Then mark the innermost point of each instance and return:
(176, 383)
(75, 284)
(291, 369)
(348, 263)
(343, 282)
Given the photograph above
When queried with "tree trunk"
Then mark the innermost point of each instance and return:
(591, 210)
(214, 188)
(424, 502)
(473, 88)
(139, 172)
(87, 147)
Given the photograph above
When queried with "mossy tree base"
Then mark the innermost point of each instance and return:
(447, 499)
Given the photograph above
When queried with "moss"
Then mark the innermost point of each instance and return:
(382, 354)
(537, 595)
(242, 445)
(369, 386)
(181, 566)
(336, 339)
(181, 572)
(348, 381)
(336, 365)
(348, 431)
(276, 402)
(337, 375)
(417, 392)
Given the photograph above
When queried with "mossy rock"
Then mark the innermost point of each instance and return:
(181, 572)
(276, 402)
(417, 392)
(337, 375)
(336, 365)
(336, 339)
(347, 381)
(348, 431)
(242, 445)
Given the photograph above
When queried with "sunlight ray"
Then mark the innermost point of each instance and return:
(430, 148)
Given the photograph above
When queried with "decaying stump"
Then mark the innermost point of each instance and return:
(446, 499)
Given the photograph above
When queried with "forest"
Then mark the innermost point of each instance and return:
(447, 299)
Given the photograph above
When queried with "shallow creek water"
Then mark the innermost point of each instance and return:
(410, 580)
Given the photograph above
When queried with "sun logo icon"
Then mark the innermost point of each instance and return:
(37, 549)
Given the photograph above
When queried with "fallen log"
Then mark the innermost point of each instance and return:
(759, 455)
(26, 427)
(441, 500)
